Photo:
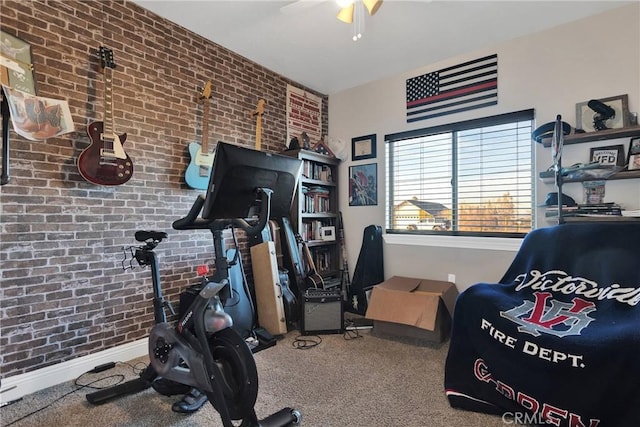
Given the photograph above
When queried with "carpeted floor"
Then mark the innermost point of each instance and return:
(359, 382)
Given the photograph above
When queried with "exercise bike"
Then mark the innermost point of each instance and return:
(202, 350)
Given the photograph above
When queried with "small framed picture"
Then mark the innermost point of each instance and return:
(328, 233)
(363, 147)
(634, 154)
(16, 68)
(604, 113)
(612, 155)
(363, 185)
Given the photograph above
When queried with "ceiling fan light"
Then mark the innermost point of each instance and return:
(372, 5)
(346, 14)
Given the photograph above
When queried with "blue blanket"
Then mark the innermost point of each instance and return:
(557, 340)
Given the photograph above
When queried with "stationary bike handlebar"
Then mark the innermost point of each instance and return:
(192, 222)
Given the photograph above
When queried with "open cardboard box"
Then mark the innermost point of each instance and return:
(405, 307)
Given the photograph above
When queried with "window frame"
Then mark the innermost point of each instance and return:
(442, 236)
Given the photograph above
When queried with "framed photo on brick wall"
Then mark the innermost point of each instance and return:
(16, 68)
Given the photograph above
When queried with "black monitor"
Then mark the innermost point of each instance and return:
(238, 172)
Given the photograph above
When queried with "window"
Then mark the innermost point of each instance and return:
(469, 178)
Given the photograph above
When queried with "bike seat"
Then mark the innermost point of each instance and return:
(143, 235)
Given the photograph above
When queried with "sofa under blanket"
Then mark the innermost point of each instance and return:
(557, 340)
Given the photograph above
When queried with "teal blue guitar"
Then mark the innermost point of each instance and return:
(199, 169)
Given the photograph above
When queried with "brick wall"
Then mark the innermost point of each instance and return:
(63, 290)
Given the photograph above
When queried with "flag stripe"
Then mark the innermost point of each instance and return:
(456, 92)
(461, 87)
(453, 107)
(472, 62)
(446, 104)
(491, 73)
(458, 110)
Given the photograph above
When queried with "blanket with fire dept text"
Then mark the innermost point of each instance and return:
(557, 340)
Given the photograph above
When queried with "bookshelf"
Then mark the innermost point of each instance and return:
(602, 174)
(314, 214)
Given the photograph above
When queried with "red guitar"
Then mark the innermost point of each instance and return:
(104, 161)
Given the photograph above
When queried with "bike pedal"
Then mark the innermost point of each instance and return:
(167, 387)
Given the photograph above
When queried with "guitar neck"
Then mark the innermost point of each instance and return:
(307, 253)
(258, 114)
(205, 127)
(108, 102)
(258, 131)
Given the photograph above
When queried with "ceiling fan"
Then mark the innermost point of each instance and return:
(351, 11)
(348, 8)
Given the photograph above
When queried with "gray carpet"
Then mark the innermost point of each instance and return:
(367, 382)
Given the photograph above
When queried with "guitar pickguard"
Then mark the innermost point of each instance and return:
(204, 160)
(117, 151)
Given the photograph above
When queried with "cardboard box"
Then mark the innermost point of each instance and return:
(417, 309)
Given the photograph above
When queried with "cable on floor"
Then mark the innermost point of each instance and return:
(80, 386)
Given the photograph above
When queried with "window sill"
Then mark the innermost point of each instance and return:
(463, 242)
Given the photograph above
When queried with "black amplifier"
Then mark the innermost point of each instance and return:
(321, 312)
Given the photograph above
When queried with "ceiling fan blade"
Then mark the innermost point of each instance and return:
(346, 14)
(372, 5)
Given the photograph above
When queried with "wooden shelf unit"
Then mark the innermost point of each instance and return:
(315, 205)
(623, 174)
(579, 138)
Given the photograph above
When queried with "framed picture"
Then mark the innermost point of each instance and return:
(363, 185)
(612, 155)
(363, 147)
(328, 233)
(16, 68)
(605, 113)
(634, 154)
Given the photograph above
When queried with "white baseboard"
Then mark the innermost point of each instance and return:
(52, 375)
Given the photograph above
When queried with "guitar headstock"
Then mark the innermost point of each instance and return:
(106, 57)
(206, 92)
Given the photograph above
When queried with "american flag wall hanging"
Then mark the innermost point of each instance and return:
(463, 87)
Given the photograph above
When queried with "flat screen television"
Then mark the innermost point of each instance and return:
(238, 172)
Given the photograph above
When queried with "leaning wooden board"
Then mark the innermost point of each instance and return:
(268, 292)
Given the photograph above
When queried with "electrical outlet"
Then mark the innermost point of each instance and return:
(451, 278)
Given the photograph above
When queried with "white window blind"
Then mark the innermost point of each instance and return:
(467, 178)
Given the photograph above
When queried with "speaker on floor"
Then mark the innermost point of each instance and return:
(321, 312)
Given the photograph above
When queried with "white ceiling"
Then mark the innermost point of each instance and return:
(306, 43)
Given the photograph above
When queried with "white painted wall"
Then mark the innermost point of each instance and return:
(550, 71)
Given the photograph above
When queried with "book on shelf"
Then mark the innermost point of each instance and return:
(317, 171)
(312, 230)
(316, 199)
